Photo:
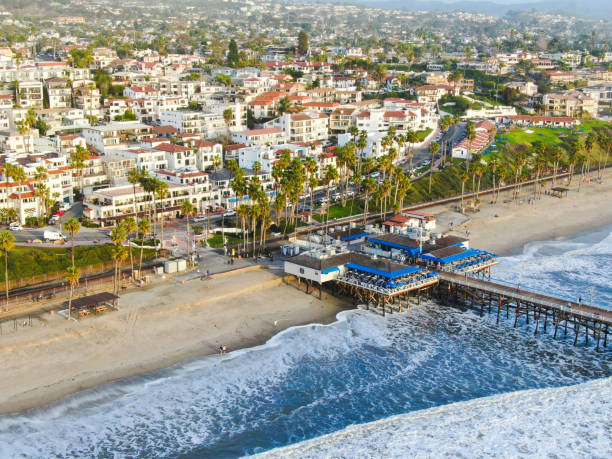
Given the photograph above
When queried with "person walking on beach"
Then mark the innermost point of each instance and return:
(518, 287)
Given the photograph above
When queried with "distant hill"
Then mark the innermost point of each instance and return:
(601, 9)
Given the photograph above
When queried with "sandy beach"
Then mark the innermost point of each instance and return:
(155, 328)
(172, 321)
(506, 227)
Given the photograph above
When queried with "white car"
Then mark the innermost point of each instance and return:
(229, 213)
(199, 218)
(15, 227)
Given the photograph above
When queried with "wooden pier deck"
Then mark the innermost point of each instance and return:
(480, 294)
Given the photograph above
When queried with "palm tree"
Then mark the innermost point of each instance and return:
(369, 185)
(118, 236)
(434, 148)
(129, 226)
(331, 175)
(556, 155)
(72, 276)
(471, 135)
(7, 242)
(383, 192)
(72, 226)
(143, 228)
(120, 253)
(188, 210)
(228, 116)
(161, 192)
(589, 142)
(412, 138)
(19, 176)
(77, 161)
(243, 213)
(464, 177)
(134, 178)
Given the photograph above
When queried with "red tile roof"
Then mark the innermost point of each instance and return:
(171, 147)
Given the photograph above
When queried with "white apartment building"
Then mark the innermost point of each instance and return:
(573, 103)
(146, 159)
(267, 136)
(30, 94)
(116, 134)
(302, 127)
(59, 93)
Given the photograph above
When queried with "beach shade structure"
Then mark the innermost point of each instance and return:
(95, 304)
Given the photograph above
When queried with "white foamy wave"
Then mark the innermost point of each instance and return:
(211, 395)
(580, 267)
(561, 422)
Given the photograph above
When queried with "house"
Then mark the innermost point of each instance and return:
(543, 121)
(484, 133)
(341, 119)
(412, 220)
(267, 136)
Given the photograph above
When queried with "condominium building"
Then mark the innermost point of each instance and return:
(571, 103)
(30, 94)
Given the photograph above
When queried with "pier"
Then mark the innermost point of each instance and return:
(542, 310)
(387, 273)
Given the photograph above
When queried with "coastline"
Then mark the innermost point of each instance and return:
(156, 327)
(171, 322)
(506, 227)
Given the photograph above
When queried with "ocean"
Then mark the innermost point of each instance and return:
(431, 381)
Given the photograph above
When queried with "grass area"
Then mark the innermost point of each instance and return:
(216, 242)
(549, 136)
(486, 99)
(27, 262)
(147, 243)
(422, 134)
(340, 211)
(457, 105)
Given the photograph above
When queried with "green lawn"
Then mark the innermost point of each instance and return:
(339, 211)
(486, 99)
(549, 136)
(27, 262)
(216, 242)
(422, 134)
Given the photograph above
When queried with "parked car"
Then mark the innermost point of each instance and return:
(59, 213)
(15, 226)
(65, 206)
(199, 218)
(54, 219)
(229, 213)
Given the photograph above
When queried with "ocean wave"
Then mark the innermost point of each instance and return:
(559, 422)
(305, 382)
(580, 267)
(313, 380)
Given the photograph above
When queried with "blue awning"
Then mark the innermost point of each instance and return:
(387, 274)
(394, 245)
(330, 270)
(354, 236)
(458, 256)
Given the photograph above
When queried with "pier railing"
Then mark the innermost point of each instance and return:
(602, 314)
(514, 285)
